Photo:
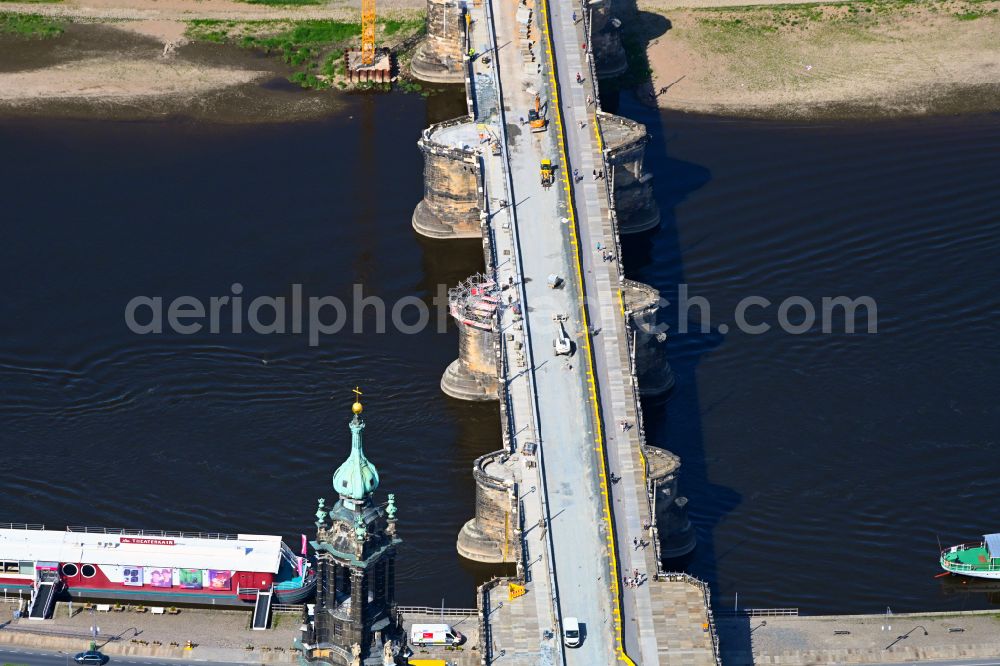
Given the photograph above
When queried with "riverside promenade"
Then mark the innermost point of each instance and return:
(216, 635)
(968, 637)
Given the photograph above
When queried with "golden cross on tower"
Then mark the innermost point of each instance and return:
(356, 407)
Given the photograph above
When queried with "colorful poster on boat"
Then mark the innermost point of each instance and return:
(159, 577)
(220, 580)
(190, 579)
(132, 576)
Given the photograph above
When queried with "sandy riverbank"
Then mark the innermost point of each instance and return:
(109, 72)
(869, 58)
(117, 78)
(137, 58)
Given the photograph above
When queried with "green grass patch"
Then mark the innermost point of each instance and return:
(30, 25)
(323, 32)
(314, 47)
(287, 36)
(971, 16)
(308, 80)
(209, 30)
(333, 64)
(393, 26)
(217, 36)
(738, 26)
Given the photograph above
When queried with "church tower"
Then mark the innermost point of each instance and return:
(355, 615)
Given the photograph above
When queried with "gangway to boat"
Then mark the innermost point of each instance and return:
(262, 609)
(42, 600)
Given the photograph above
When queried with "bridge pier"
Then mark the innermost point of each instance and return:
(642, 304)
(493, 536)
(473, 375)
(452, 181)
(673, 529)
(606, 41)
(625, 148)
(438, 59)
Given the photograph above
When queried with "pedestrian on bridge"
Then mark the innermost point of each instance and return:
(574, 17)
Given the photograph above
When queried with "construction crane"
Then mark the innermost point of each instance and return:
(367, 32)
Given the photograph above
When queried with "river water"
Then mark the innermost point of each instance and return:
(820, 468)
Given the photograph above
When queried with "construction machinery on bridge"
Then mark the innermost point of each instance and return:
(536, 121)
(561, 344)
(547, 174)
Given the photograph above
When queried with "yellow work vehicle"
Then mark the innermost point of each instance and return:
(548, 173)
(536, 120)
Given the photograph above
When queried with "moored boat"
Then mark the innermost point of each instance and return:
(978, 559)
(151, 566)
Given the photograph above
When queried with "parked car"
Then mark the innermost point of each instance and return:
(434, 634)
(571, 632)
(91, 658)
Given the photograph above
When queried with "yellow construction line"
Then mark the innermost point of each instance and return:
(571, 208)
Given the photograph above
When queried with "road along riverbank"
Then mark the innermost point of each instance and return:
(859, 639)
(215, 635)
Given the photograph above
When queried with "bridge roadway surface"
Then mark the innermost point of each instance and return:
(567, 567)
(574, 555)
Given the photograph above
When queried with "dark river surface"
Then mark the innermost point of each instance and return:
(820, 468)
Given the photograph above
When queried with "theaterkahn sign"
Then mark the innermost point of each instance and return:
(148, 542)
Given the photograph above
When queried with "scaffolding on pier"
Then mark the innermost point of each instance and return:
(474, 302)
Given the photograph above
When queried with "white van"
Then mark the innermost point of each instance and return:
(571, 631)
(434, 634)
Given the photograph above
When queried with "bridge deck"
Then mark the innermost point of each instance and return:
(572, 564)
